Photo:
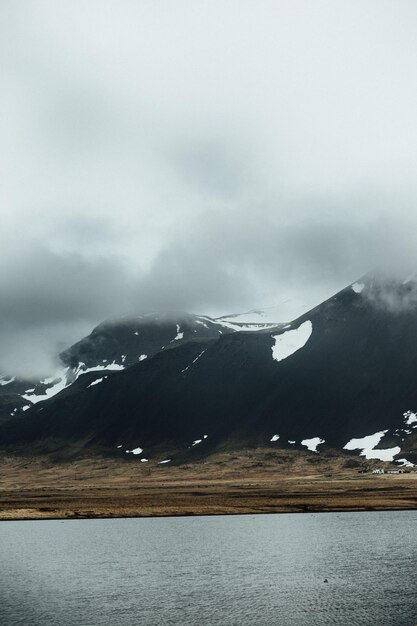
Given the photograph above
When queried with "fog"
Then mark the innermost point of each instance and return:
(203, 156)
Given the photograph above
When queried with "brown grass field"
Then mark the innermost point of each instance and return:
(251, 481)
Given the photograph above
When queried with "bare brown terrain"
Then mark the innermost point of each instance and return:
(252, 481)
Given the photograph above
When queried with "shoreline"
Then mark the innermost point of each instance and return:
(247, 483)
(187, 515)
(310, 496)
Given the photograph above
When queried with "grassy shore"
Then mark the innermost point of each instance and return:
(253, 481)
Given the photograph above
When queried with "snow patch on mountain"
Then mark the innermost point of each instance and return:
(405, 463)
(143, 357)
(6, 380)
(358, 287)
(246, 327)
(237, 326)
(254, 327)
(111, 367)
(65, 377)
(368, 444)
(222, 324)
(96, 382)
(410, 418)
(201, 323)
(284, 311)
(291, 341)
(198, 441)
(195, 361)
(60, 382)
(179, 335)
(135, 451)
(312, 443)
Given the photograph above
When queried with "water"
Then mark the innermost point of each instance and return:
(264, 570)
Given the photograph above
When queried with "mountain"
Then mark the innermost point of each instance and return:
(283, 312)
(340, 377)
(11, 397)
(112, 346)
(124, 342)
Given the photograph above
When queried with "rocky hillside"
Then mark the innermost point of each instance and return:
(340, 377)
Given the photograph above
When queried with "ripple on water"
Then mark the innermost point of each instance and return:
(202, 571)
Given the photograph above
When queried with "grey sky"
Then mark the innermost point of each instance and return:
(211, 156)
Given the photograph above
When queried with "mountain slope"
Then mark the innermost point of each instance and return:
(112, 346)
(128, 340)
(344, 371)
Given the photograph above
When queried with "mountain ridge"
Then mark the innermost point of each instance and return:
(351, 377)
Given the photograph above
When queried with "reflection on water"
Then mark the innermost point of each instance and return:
(242, 571)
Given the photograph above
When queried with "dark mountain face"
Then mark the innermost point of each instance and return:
(113, 346)
(346, 370)
(125, 342)
(12, 400)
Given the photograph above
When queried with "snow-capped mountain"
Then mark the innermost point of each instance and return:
(126, 341)
(119, 343)
(113, 346)
(340, 377)
(281, 313)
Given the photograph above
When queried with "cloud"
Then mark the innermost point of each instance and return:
(48, 300)
(204, 156)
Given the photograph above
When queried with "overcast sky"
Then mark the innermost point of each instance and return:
(209, 156)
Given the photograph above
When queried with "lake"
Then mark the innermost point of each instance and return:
(228, 570)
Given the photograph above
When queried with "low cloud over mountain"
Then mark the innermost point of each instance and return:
(195, 157)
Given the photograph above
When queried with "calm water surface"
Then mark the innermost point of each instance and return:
(240, 571)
